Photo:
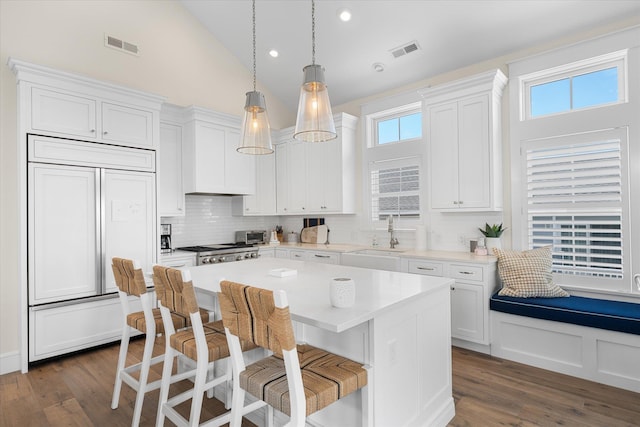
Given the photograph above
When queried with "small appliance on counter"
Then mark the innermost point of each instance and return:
(252, 237)
(165, 238)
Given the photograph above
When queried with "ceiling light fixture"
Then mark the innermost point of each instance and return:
(378, 66)
(255, 137)
(314, 122)
(344, 15)
(273, 53)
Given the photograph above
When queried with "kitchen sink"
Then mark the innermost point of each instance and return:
(379, 259)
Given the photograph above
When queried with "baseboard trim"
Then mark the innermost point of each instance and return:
(9, 362)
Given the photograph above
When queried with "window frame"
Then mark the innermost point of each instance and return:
(616, 60)
(389, 114)
(602, 117)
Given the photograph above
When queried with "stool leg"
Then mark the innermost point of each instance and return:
(144, 375)
(122, 358)
(167, 368)
(200, 381)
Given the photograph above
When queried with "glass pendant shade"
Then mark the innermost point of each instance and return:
(255, 137)
(315, 120)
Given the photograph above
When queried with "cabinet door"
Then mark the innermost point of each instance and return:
(63, 113)
(467, 312)
(297, 179)
(282, 178)
(170, 189)
(443, 155)
(298, 255)
(129, 220)
(128, 126)
(240, 169)
(63, 233)
(317, 175)
(282, 253)
(208, 158)
(473, 153)
(324, 257)
(333, 177)
(264, 201)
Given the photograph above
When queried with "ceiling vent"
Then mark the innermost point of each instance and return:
(405, 49)
(121, 45)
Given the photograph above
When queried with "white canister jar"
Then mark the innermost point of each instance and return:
(342, 292)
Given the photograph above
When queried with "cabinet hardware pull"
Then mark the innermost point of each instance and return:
(105, 132)
(460, 202)
(178, 266)
(92, 131)
(426, 268)
(455, 202)
(322, 256)
(453, 288)
(465, 272)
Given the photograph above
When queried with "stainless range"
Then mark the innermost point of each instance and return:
(226, 252)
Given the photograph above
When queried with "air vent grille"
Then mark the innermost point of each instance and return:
(121, 45)
(405, 49)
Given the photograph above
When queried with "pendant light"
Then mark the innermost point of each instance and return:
(255, 137)
(315, 120)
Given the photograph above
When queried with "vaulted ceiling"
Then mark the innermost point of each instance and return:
(450, 34)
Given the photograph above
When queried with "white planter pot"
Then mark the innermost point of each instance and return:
(493, 242)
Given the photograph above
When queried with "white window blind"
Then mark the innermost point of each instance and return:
(575, 203)
(395, 189)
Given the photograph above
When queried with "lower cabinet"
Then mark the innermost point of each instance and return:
(178, 261)
(315, 256)
(67, 328)
(475, 282)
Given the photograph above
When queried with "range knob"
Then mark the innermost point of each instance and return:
(247, 256)
(206, 260)
(222, 259)
(213, 260)
(239, 257)
(254, 255)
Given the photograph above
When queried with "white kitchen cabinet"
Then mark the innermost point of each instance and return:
(475, 282)
(170, 185)
(178, 260)
(462, 122)
(266, 252)
(282, 253)
(264, 201)
(317, 178)
(324, 257)
(211, 164)
(87, 116)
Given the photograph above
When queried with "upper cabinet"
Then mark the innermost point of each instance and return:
(463, 130)
(65, 105)
(211, 164)
(264, 201)
(170, 182)
(317, 178)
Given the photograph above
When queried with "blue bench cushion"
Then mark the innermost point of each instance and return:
(596, 313)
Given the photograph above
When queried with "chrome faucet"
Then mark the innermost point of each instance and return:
(393, 242)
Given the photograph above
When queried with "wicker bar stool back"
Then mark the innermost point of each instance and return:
(297, 380)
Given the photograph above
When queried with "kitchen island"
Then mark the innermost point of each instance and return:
(399, 327)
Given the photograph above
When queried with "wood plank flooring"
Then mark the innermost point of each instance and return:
(76, 391)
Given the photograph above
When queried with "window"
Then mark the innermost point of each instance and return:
(575, 203)
(395, 189)
(576, 185)
(392, 160)
(597, 82)
(396, 129)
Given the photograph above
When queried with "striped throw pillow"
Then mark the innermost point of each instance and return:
(527, 274)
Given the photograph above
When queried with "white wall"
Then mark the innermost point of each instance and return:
(182, 62)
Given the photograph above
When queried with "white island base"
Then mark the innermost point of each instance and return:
(399, 327)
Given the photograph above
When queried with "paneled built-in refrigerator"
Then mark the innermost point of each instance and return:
(84, 208)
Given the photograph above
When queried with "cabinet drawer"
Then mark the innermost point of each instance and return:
(427, 268)
(323, 257)
(298, 255)
(466, 272)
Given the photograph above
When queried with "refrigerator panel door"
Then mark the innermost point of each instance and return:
(63, 225)
(129, 220)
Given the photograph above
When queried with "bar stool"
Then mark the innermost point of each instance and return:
(130, 281)
(204, 343)
(297, 380)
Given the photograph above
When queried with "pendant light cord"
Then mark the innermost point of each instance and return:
(313, 32)
(254, 45)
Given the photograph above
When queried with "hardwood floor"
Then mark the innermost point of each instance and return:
(76, 391)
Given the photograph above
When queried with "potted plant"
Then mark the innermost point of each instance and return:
(492, 235)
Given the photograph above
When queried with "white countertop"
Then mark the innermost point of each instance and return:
(459, 256)
(377, 291)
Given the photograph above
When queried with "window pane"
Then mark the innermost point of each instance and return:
(395, 191)
(599, 87)
(411, 126)
(549, 98)
(388, 131)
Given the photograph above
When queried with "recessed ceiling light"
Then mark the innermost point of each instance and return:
(273, 53)
(344, 14)
(378, 66)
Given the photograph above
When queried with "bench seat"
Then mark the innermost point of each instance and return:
(595, 313)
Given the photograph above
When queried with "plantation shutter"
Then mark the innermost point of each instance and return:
(575, 202)
(395, 189)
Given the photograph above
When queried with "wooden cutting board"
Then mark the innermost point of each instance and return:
(317, 234)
